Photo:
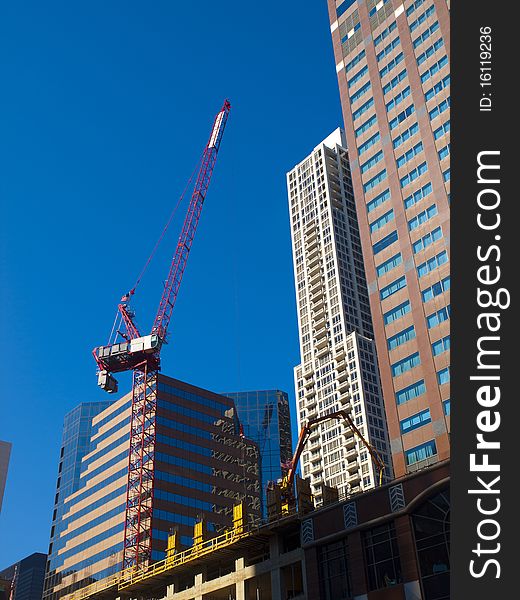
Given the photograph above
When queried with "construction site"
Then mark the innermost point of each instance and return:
(170, 501)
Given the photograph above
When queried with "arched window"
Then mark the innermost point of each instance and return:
(431, 524)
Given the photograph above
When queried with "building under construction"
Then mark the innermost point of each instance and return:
(390, 543)
(204, 466)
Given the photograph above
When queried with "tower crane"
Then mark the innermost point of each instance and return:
(141, 355)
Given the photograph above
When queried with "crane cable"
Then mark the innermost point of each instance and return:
(165, 229)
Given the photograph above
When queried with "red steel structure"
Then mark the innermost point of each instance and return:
(141, 355)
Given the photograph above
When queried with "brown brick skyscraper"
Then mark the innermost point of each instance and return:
(392, 61)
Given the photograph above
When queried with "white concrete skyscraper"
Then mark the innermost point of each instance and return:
(338, 367)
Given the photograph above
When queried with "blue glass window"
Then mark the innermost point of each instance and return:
(385, 242)
(422, 217)
(401, 338)
(363, 109)
(375, 181)
(366, 125)
(361, 92)
(414, 174)
(410, 392)
(409, 154)
(358, 76)
(350, 65)
(415, 421)
(392, 288)
(441, 346)
(422, 452)
(427, 240)
(417, 196)
(394, 81)
(402, 116)
(438, 317)
(432, 263)
(407, 134)
(405, 364)
(389, 48)
(391, 65)
(430, 51)
(385, 33)
(389, 264)
(442, 130)
(396, 313)
(434, 69)
(443, 376)
(371, 162)
(425, 35)
(369, 143)
(378, 200)
(382, 221)
(398, 99)
(421, 18)
(436, 289)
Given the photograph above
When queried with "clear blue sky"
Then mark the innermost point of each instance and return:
(104, 110)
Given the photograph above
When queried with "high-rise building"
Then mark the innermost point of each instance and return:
(203, 466)
(266, 420)
(5, 453)
(76, 436)
(392, 62)
(339, 364)
(26, 577)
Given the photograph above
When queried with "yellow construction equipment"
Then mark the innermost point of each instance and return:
(281, 498)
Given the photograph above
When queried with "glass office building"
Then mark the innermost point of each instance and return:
(265, 418)
(26, 577)
(203, 466)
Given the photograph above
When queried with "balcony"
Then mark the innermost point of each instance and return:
(309, 383)
(321, 343)
(344, 399)
(319, 312)
(315, 271)
(321, 322)
(354, 478)
(308, 370)
(344, 386)
(317, 292)
(318, 303)
(313, 253)
(311, 234)
(352, 452)
(311, 398)
(341, 374)
(322, 351)
(321, 332)
(340, 353)
(314, 435)
(314, 261)
(350, 442)
(352, 466)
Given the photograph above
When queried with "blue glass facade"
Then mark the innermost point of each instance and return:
(26, 577)
(265, 418)
(76, 443)
(203, 466)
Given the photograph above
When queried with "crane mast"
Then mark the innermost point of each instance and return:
(141, 355)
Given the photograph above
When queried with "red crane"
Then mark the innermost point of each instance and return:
(141, 355)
